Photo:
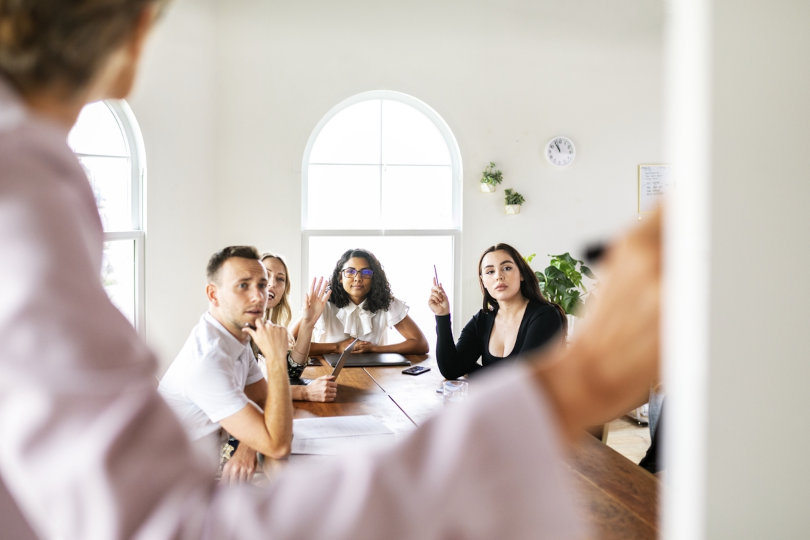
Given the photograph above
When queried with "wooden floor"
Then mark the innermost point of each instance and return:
(629, 438)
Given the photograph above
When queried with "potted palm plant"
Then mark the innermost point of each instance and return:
(513, 200)
(490, 178)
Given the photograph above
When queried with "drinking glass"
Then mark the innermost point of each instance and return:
(454, 391)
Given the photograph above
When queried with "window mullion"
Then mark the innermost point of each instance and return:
(381, 171)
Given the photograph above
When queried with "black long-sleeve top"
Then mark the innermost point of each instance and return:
(539, 324)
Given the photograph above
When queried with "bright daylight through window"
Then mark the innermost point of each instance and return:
(382, 171)
(107, 141)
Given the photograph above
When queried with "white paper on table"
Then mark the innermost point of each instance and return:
(337, 434)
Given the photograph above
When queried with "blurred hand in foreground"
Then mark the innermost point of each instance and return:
(614, 360)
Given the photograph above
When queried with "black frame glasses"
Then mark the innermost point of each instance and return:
(365, 273)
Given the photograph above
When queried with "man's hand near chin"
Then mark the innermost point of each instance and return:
(241, 466)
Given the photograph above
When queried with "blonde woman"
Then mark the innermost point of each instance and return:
(324, 388)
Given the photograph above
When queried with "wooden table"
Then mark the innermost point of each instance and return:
(619, 497)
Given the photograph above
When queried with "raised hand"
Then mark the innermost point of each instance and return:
(611, 364)
(315, 300)
(438, 301)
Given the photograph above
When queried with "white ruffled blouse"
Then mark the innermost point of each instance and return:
(337, 324)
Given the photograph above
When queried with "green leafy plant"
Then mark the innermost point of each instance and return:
(561, 281)
(513, 197)
(491, 175)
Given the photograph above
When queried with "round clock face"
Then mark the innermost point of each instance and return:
(560, 151)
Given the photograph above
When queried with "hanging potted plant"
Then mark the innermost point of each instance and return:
(513, 200)
(490, 178)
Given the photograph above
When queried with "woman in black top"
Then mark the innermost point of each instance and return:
(515, 317)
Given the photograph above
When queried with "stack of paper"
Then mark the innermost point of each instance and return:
(333, 435)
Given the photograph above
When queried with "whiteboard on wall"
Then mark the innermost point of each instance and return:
(653, 183)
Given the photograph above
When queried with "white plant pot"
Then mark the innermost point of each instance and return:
(571, 321)
(487, 188)
(512, 208)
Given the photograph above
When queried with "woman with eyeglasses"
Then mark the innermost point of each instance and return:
(362, 306)
(515, 317)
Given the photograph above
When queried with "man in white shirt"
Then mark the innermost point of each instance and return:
(214, 385)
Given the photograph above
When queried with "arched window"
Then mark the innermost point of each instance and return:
(382, 171)
(108, 143)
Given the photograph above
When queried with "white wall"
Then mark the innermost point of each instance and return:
(506, 77)
(175, 102)
(750, 475)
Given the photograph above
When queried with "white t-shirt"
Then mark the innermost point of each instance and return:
(352, 320)
(206, 381)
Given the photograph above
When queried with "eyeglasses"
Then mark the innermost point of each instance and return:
(350, 272)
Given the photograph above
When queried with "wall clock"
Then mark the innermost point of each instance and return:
(560, 151)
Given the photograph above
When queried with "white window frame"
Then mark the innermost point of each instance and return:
(456, 172)
(137, 232)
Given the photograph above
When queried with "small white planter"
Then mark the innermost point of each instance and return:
(487, 188)
(512, 208)
(571, 321)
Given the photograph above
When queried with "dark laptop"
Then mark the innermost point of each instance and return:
(369, 359)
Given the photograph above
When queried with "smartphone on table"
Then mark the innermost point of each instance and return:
(415, 370)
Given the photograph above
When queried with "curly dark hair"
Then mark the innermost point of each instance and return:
(379, 298)
(529, 286)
